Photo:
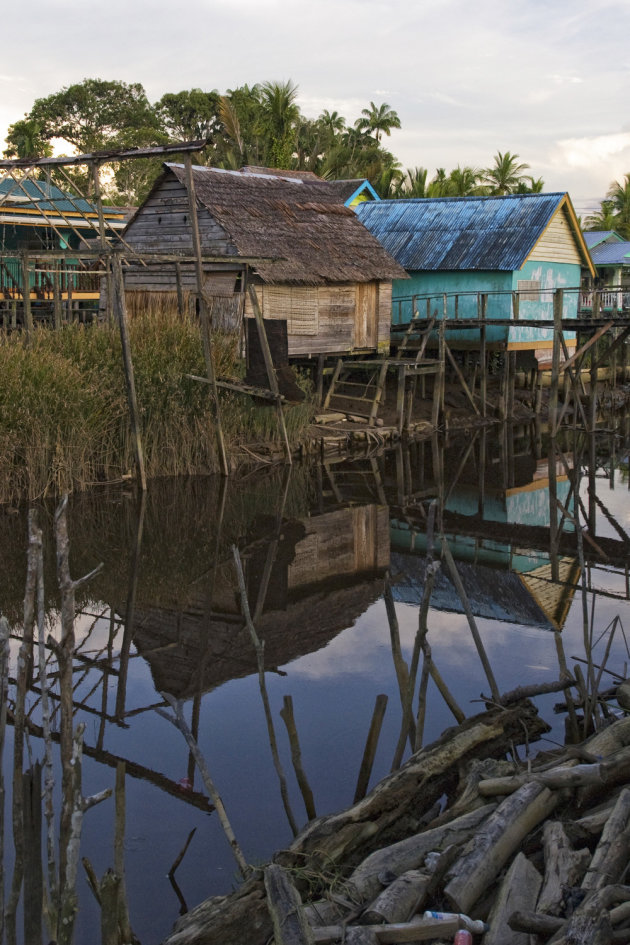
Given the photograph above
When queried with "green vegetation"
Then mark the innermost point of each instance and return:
(259, 125)
(64, 422)
(614, 211)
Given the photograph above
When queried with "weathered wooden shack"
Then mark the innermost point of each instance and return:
(312, 261)
(513, 250)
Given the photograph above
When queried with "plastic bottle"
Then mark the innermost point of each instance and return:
(468, 924)
(463, 937)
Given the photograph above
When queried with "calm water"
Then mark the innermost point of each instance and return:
(163, 616)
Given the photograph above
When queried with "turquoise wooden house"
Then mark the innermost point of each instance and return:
(37, 218)
(611, 255)
(505, 255)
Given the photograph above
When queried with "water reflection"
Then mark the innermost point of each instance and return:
(376, 636)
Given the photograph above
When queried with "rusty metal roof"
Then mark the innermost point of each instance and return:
(461, 233)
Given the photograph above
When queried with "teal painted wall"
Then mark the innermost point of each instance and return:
(467, 284)
(551, 276)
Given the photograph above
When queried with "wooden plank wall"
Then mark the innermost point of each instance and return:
(332, 318)
(557, 244)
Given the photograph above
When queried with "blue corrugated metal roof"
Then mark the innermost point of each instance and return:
(45, 197)
(611, 254)
(457, 233)
(595, 237)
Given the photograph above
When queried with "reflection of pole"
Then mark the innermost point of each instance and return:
(369, 752)
(125, 647)
(553, 510)
(259, 647)
(457, 581)
(4, 698)
(286, 714)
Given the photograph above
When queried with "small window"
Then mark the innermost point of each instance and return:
(529, 290)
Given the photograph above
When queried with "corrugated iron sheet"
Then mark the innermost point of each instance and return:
(611, 254)
(456, 233)
(45, 197)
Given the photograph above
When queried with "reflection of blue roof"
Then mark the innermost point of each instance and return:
(498, 595)
(45, 197)
(460, 233)
(595, 237)
(611, 254)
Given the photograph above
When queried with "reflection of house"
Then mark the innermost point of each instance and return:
(611, 256)
(318, 578)
(37, 217)
(516, 250)
(314, 264)
(503, 579)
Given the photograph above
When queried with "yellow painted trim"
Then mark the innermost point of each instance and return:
(534, 486)
(529, 345)
(75, 214)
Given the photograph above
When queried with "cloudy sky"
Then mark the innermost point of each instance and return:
(548, 80)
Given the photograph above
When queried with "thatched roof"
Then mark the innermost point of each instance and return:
(301, 221)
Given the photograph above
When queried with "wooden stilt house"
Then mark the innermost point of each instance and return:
(313, 262)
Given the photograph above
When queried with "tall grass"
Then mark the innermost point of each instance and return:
(64, 421)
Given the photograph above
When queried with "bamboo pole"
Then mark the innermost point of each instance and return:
(134, 413)
(203, 314)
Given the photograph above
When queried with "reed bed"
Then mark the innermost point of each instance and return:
(64, 421)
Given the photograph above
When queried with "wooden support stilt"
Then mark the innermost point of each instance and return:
(26, 295)
(56, 299)
(483, 353)
(180, 292)
(558, 302)
(271, 371)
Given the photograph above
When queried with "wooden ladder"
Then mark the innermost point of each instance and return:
(415, 338)
(354, 394)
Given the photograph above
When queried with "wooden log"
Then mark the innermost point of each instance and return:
(564, 867)
(518, 892)
(285, 906)
(400, 900)
(490, 849)
(409, 854)
(590, 923)
(611, 855)
(361, 935)
(418, 930)
(534, 923)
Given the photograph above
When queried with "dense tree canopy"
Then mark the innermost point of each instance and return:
(256, 125)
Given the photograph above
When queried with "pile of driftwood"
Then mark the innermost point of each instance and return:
(536, 850)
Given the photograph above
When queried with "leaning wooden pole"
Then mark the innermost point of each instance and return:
(271, 371)
(134, 414)
(203, 314)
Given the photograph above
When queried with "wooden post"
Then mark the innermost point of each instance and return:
(180, 291)
(26, 295)
(483, 354)
(121, 311)
(203, 314)
(57, 298)
(558, 302)
(271, 372)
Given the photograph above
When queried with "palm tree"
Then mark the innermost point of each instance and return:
(379, 119)
(438, 186)
(506, 174)
(619, 196)
(414, 183)
(604, 219)
(279, 118)
(463, 181)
